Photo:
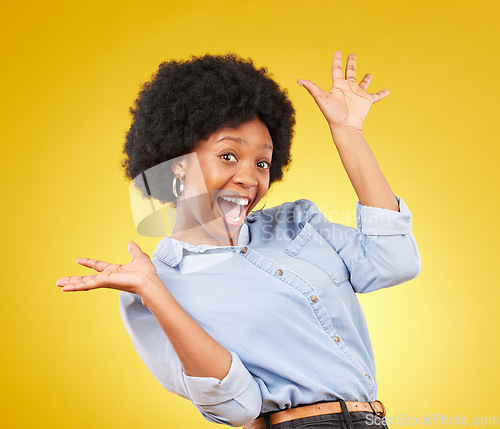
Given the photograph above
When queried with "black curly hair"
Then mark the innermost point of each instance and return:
(185, 102)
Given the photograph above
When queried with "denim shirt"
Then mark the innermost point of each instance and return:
(283, 303)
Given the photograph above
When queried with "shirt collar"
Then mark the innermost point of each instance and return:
(170, 250)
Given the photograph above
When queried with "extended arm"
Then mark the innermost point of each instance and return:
(381, 251)
(181, 355)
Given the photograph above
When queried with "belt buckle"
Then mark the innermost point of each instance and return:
(380, 414)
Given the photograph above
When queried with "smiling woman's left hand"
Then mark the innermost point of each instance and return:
(347, 104)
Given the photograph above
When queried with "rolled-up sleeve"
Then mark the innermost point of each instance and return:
(379, 253)
(235, 401)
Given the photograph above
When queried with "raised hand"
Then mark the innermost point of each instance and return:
(347, 103)
(131, 277)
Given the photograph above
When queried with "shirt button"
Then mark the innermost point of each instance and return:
(336, 338)
(367, 375)
(279, 272)
(314, 298)
(243, 250)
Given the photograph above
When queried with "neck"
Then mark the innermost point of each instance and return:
(198, 236)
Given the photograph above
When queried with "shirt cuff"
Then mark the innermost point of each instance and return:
(212, 391)
(379, 221)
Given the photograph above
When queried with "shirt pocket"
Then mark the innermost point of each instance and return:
(310, 246)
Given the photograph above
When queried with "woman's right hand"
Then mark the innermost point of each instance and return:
(132, 277)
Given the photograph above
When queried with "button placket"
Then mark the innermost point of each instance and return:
(306, 288)
(291, 279)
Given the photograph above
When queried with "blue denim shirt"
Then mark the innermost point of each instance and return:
(283, 303)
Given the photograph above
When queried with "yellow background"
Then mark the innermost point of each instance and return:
(70, 72)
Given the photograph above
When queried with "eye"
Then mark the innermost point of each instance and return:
(225, 156)
(267, 165)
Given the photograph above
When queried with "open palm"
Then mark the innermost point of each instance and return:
(348, 103)
(131, 277)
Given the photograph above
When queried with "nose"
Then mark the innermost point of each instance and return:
(246, 175)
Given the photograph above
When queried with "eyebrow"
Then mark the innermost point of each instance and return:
(242, 141)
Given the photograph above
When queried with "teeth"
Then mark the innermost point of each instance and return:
(241, 201)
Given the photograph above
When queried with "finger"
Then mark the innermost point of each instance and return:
(63, 281)
(366, 81)
(312, 88)
(118, 280)
(380, 95)
(350, 68)
(95, 264)
(85, 283)
(337, 66)
(79, 282)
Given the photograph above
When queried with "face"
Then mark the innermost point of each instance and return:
(235, 166)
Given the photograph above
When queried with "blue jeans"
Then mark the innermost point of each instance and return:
(343, 420)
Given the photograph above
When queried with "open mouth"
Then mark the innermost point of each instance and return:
(233, 208)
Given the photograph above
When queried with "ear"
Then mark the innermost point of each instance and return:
(179, 167)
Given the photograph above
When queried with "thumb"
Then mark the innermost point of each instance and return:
(134, 249)
(312, 88)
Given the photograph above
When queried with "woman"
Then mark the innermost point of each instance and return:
(253, 316)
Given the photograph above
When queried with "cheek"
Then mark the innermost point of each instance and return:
(265, 184)
(195, 184)
(212, 182)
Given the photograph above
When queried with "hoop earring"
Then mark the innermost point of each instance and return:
(265, 202)
(174, 186)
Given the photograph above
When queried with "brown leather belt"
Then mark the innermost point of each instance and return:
(316, 410)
